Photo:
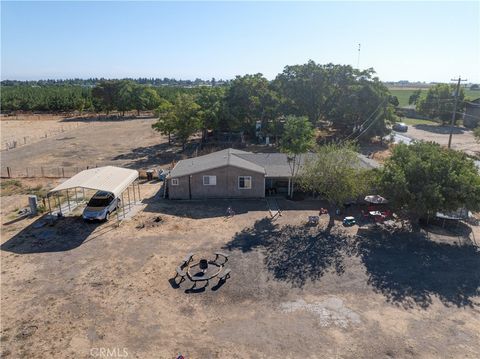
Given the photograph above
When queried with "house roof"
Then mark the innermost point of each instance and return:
(109, 178)
(213, 160)
(271, 164)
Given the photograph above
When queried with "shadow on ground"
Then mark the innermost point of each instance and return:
(161, 154)
(67, 233)
(409, 269)
(444, 130)
(295, 254)
(149, 156)
(198, 209)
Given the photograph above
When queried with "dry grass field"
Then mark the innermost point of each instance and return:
(130, 142)
(70, 290)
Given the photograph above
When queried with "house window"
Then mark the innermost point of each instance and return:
(174, 181)
(209, 180)
(244, 182)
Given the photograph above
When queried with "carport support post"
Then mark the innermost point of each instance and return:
(128, 194)
(59, 204)
(134, 195)
(68, 201)
(49, 206)
(138, 186)
(83, 189)
(123, 206)
(76, 196)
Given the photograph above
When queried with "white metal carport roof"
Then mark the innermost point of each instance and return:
(109, 178)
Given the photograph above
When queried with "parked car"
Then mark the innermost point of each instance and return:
(100, 206)
(400, 127)
(349, 221)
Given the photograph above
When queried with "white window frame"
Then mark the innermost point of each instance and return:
(245, 177)
(174, 181)
(210, 182)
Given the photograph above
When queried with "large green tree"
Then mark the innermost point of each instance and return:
(166, 119)
(424, 178)
(415, 97)
(105, 94)
(248, 99)
(144, 98)
(210, 99)
(439, 102)
(298, 138)
(182, 118)
(339, 96)
(336, 173)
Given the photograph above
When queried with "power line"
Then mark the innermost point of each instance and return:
(374, 120)
(363, 124)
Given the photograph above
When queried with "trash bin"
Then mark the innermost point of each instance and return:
(149, 175)
(32, 202)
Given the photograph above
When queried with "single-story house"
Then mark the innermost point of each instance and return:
(233, 173)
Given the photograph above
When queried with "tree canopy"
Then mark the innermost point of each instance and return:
(424, 178)
(182, 118)
(298, 138)
(439, 102)
(335, 172)
(342, 96)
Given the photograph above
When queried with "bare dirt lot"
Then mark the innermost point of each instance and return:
(69, 290)
(130, 143)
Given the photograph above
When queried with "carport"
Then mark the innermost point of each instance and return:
(116, 180)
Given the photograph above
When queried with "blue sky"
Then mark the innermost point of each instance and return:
(426, 41)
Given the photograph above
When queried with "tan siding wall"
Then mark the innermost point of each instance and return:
(226, 187)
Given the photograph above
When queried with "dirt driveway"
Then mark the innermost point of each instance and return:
(462, 138)
(70, 290)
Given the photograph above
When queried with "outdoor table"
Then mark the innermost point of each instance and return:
(198, 273)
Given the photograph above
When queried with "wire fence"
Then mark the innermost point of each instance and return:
(11, 142)
(38, 172)
(59, 172)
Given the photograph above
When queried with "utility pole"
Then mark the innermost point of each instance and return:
(358, 58)
(454, 109)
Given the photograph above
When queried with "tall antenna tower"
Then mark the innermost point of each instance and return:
(358, 59)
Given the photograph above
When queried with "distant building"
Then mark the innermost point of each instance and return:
(471, 117)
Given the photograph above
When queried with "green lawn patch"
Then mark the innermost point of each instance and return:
(416, 121)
